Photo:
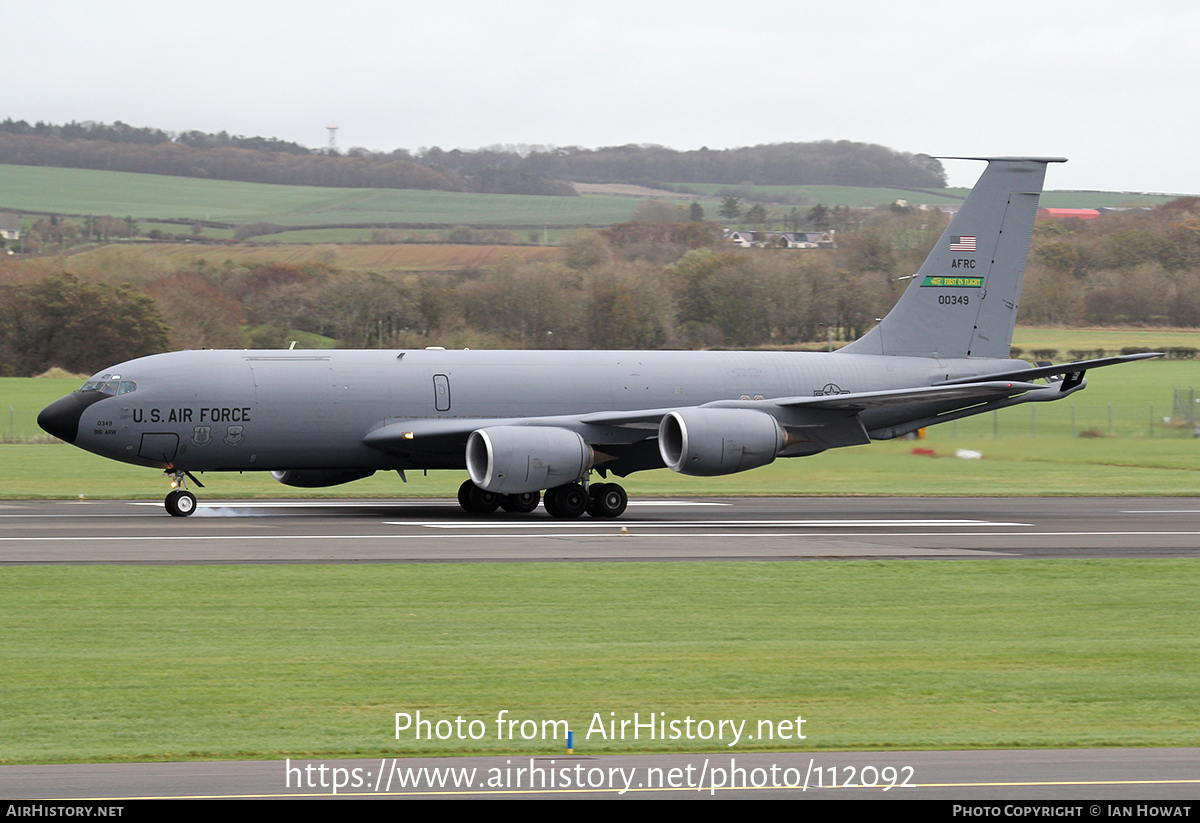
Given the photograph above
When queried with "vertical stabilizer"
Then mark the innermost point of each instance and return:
(963, 301)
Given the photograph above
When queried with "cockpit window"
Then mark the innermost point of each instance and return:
(110, 384)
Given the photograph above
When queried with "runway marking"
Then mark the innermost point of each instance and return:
(689, 535)
(667, 524)
(1163, 511)
(305, 504)
(674, 503)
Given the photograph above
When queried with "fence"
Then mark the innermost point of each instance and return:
(1070, 419)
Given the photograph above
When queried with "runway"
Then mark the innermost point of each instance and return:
(1037, 776)
(417, 531)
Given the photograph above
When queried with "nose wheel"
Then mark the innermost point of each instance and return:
(180, 502)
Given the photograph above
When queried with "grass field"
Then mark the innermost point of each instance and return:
(233, 662)
(1110, 339)
(830, 195)
(148, 196)
(376, 257)
(863, 196)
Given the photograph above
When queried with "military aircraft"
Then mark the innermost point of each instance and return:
(524, 422)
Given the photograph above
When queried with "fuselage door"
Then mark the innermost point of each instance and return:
(159, 446)
(441, 392)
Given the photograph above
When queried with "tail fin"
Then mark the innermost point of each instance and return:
(963, 301)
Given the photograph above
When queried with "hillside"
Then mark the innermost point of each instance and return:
(35, 190)
(31, 189)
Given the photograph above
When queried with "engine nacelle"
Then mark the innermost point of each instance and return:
(316, 478)
(710, 442)
(520, 459)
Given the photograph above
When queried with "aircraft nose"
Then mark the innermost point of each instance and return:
(61, 418)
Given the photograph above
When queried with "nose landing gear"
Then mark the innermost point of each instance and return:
(180, 502)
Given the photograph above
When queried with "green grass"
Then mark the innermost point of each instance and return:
(832, 195)
(1064, 339)
(148, 196)
(21, 398)
(1101, 199)
(231, 662)
(866, 196)
(1013, 465)
(316, 236)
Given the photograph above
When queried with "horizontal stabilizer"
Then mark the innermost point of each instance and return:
(1050, 371)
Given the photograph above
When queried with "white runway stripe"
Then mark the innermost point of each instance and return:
(699, 524)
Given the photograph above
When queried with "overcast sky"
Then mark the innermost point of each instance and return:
(1109, 85)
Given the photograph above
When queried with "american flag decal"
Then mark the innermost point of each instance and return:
(964, 243)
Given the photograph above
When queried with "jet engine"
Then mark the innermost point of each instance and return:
(520, 459)
(710, 442)
(316, 478)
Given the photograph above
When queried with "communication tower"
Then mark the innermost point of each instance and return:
(332, 137)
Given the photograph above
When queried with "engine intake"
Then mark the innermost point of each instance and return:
(520, 459)
(711, 442)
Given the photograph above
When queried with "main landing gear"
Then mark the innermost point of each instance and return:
(180, 502)
(568, 502)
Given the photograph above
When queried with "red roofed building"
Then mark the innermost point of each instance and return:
(1063, 214)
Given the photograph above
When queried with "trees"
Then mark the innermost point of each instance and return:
(819, 217)
(731, 208)
(696, 213)
(82, 327)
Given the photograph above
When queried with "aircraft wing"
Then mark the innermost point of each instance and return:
(441, 434)
(976, 390)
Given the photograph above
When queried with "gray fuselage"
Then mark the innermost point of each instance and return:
(277, 410)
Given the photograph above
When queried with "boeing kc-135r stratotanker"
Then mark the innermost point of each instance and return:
(521, 422)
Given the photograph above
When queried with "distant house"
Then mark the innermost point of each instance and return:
(782, 239)
(10, 225)
(1063, 214)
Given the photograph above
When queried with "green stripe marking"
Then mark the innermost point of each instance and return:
(953, 282)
